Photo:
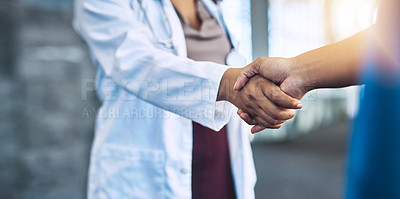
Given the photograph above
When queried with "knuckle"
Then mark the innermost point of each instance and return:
(254, 115)
(275, 95)
(275, 126)
(248, 122)
(288, 113)
(278, 127)
(292, 114)
(248, 119)
(259, 121)
(275, 114)
(260, 59)
(262, 122)
(275, 122)
(258, 83)
(244, 115)
(250, 96)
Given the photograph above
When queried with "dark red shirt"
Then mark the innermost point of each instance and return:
(211, 166)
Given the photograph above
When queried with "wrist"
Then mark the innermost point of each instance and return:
(225, 91)
(302, 73)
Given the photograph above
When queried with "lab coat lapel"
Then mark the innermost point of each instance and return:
(178, 37)
(212, 8)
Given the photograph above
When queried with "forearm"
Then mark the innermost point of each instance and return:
(332, 66)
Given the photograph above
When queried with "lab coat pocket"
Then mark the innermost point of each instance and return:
(122, 172)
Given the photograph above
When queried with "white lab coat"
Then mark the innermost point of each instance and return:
(151, 95)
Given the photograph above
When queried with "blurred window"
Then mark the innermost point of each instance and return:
(237, 17)
(297, 26)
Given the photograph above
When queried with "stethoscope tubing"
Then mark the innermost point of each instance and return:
(167, 42)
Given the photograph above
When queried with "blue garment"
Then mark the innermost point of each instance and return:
(374, 159)
(374, 164)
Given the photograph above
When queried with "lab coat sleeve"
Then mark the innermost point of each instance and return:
(122, 45)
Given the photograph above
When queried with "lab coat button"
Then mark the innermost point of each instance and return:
(184, 171)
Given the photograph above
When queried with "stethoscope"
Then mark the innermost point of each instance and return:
(232, 59)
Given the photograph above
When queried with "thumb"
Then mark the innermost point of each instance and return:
(245, 74)
(240, 82)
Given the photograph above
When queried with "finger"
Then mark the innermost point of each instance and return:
(247, 119)
(257, 128)
(281, 99)
(277, 113)
(261, 121)
(271, 113)
(267, 120)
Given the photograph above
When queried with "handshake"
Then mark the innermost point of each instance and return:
(267, 91)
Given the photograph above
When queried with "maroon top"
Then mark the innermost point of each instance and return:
(211, 166)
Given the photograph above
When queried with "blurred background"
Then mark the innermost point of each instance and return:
(47, 116)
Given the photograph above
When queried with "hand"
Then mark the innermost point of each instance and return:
(261, 99)
(282, 72)
(333, 66)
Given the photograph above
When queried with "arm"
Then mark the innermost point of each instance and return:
(331, 66)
